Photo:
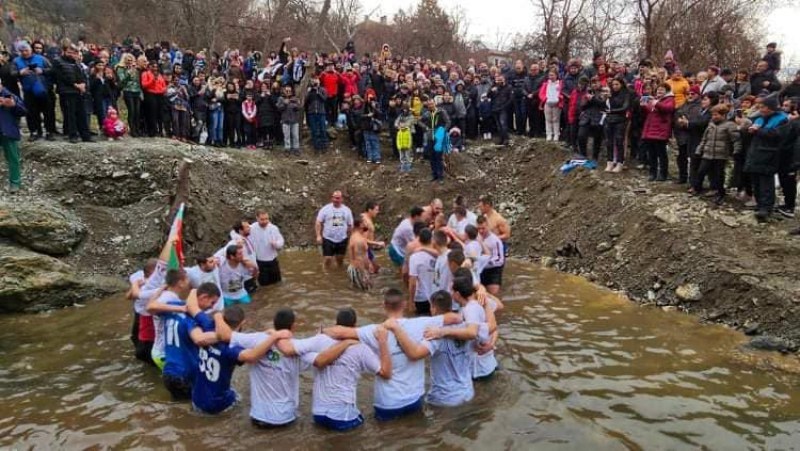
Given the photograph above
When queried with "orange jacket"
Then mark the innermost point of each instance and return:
(153, 83)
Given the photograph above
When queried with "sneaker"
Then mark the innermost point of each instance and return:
(369, 161)
(13, 189)
(751, 204)
(618, 168)
(609, 166)
(74, 140)
(786, 212)
(377, 162)
(762, 216)
(640, 166)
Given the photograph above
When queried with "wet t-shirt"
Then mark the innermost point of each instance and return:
(232, 279)
(485, 364)
(403, 234)
(211, 392)
(335, 222)
(451, 372)
(407, 383)
(334, 394)
(169, 298)
(442, 277)
(179, 349)
(274, 381)
(422, 265)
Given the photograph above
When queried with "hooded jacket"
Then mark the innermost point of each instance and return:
(764, 155)
(720, 141)
(658, 118)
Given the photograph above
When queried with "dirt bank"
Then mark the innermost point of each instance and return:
(618, 230)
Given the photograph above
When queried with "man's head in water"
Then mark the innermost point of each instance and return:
(284, 319)
(207, 295)
(262, 217)
(336, 199)
(346, 317)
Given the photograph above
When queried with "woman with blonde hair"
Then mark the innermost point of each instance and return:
(131, 87)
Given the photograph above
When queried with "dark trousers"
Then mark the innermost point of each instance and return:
(572, 136)
(715, 169)
(331, 108)
(269, 272)
(180, 124)
(590, 131)
(233, 123)
(741, 180)
(153, 119)
(694, 170)
(133, 103)
(657, 157)
(637, 149)
(37, 109)
(520, 115)
(788, 183)
(535, 119)
(472, 124)
(437, 164)
(50, 112)
(501, 122)
(683, 163)
(249, 133)
(319, 135)
(764, 190)
(75, 118)
(615, 141)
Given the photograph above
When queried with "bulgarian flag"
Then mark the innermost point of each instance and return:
(172, 253)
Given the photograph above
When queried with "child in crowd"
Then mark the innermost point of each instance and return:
(291, 113)
(720, 141)
(404, 122)
(113, 127)
(249, 111)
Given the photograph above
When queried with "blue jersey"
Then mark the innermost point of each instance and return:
(180, 351)
(211, 392)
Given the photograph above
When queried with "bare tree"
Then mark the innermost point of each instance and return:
(562, 22)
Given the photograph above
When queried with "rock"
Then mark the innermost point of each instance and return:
(614, 232)
(730, 222)
(715, 315)
(145, 176)
(30, 281)
(603, 247)
(119, 174)
(669, 308)
(548, 262)
(770, 343)
(651, 295)
(689, 292)
(41, 225)
(750, 327)
(667, 215)
(302, 162)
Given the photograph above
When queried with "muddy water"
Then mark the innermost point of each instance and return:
(582, 368)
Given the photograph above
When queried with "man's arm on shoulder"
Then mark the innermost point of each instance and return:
(412, 349)
(201, 338)
(341, 332)
(330, 355)
(252, 355)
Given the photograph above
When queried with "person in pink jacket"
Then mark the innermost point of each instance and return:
(551, 100)
(113, 127)
(659, 111)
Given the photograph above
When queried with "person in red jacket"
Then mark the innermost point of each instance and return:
(350, 78)
(573, 111)
(154, 86)
(330, 80)
(659, 111)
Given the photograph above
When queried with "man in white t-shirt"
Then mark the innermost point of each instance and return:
(234, 270)
(142, 343)
(492, 274)
(333, 226)
(403, 234)
(268, 241)
(206, 271)
(421, 272)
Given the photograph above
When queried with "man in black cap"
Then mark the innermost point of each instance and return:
(773, 57)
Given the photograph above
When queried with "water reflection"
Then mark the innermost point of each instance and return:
(582, 369)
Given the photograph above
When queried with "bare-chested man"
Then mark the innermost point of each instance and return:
(358, 255)
(431, 211)
(368, 216)
(497, 224)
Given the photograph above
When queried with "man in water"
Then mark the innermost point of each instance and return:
(211, 392)
(206, 271)
(141, 333)
(404, 392)
(333, 226)
(164, 301)
(492, 274)
(431, 211)
(404, 234)
(334, 396)
(497, 223)
(184, 332)
(275, 377)
(421, 271)
(240, 236)
(234, 270)
(358, 255)
(268, 241)
(368, 216)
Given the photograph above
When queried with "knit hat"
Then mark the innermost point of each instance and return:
(716, 69)
(771, 102)
(694, 90)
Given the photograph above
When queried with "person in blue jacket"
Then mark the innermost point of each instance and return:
(11, 109)
(33, 70)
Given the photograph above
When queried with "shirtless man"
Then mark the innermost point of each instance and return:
(498, 225)
(368, 216)
(431, 211)
(358, 255)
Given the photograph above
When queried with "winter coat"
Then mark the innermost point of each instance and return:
(689, 109)
(543, 92)
(315, 100)
(519, 84)
(68, 73)
(9, 117)
(404, 121)
(790, 148)
(740, 89)
(330, 81)
(32, 82)
(459, 105)
(9, 79)
(574, 105)
(720, 141)
(291, 113)
(658, 119)
(591, 111)
(534, 84)
(129, 80)
(757, 83)
(501, 97)
(198, 101)
(712, 85)
(764, 155)
(153, 83)
(267, 110)
(680, 89)
(791, 90)
(617, 106)
(698, 121)
(350, 80)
